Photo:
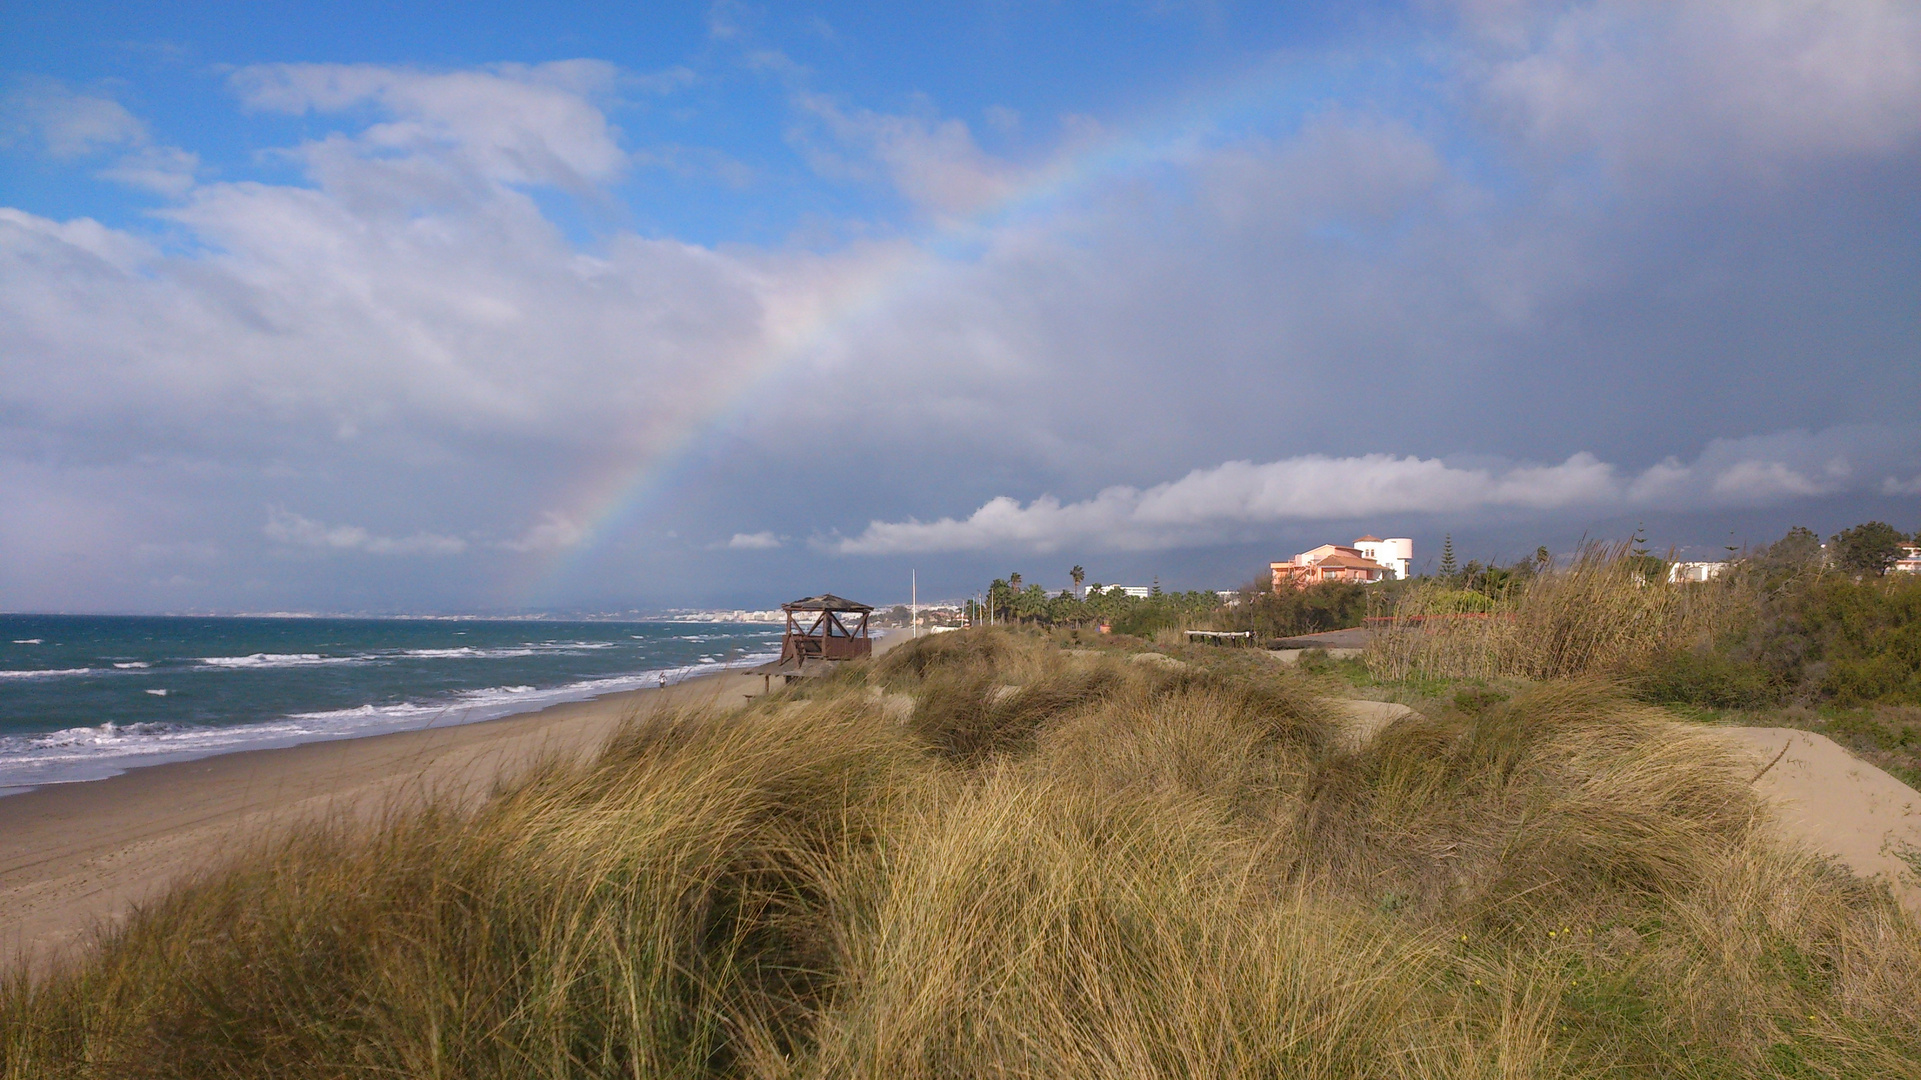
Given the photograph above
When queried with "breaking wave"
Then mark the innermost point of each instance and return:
(100, 751)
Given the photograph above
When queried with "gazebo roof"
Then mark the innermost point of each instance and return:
(826, 602)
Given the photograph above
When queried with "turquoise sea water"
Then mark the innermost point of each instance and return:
(85, 697)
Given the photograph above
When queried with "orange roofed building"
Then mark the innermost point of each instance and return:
(1344, 562)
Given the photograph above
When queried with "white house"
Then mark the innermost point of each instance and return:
(1695, 571)
(1396, 554)
(1910, 560)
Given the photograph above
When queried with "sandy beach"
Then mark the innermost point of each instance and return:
(75, 855)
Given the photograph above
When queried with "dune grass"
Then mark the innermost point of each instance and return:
(1055, 864)
(1596, 616)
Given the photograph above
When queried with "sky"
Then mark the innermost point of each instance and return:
(490, 308)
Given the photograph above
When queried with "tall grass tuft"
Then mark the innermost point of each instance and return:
(1140, 872)
(650, 915)
(1596, 616)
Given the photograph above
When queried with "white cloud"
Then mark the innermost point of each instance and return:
(71, 125)
(68, 124)
(1212, 505)
(760, 541)
(933, 162)
(1763, 482)
(512, 123)
(84, 239)
(1221, 504)
(553, 532)
(1892, 486)
(163, 170)
(1686, 84)
(296, 531)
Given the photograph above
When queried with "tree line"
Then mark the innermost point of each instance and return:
(1870, 549)
(1014, 600)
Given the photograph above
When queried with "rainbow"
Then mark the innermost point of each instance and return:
(612, 496)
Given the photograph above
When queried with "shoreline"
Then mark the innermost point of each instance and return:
(76, 855)
(450, 715)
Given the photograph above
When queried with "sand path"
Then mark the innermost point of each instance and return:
(1362, 720)
(1836, 804)
(1824, 798)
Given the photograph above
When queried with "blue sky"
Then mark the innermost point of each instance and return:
(485, 308)
(711, 81)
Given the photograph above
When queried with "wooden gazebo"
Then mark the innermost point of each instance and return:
(832, 634)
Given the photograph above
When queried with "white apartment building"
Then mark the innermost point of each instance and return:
(1695, 571)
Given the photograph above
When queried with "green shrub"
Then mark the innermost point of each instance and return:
(1333, 605)
(1708, 679)
(1829, 637)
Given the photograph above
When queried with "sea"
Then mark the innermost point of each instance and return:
(86, 697)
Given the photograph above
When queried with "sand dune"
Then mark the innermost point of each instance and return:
(1838, 805)
(1824, 798)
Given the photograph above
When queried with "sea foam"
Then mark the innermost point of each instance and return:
(96, 752)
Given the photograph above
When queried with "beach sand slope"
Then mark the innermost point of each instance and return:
(73, 856)
(1835, 804)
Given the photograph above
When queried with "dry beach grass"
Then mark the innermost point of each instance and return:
(1594, 616)
(1057, 865)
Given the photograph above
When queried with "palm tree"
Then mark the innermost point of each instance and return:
(1079, 575)
(1030, 603)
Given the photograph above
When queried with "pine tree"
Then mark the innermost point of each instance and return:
(1448, 566)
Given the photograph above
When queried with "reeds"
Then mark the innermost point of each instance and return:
(1114, 871)
(1596, 616)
